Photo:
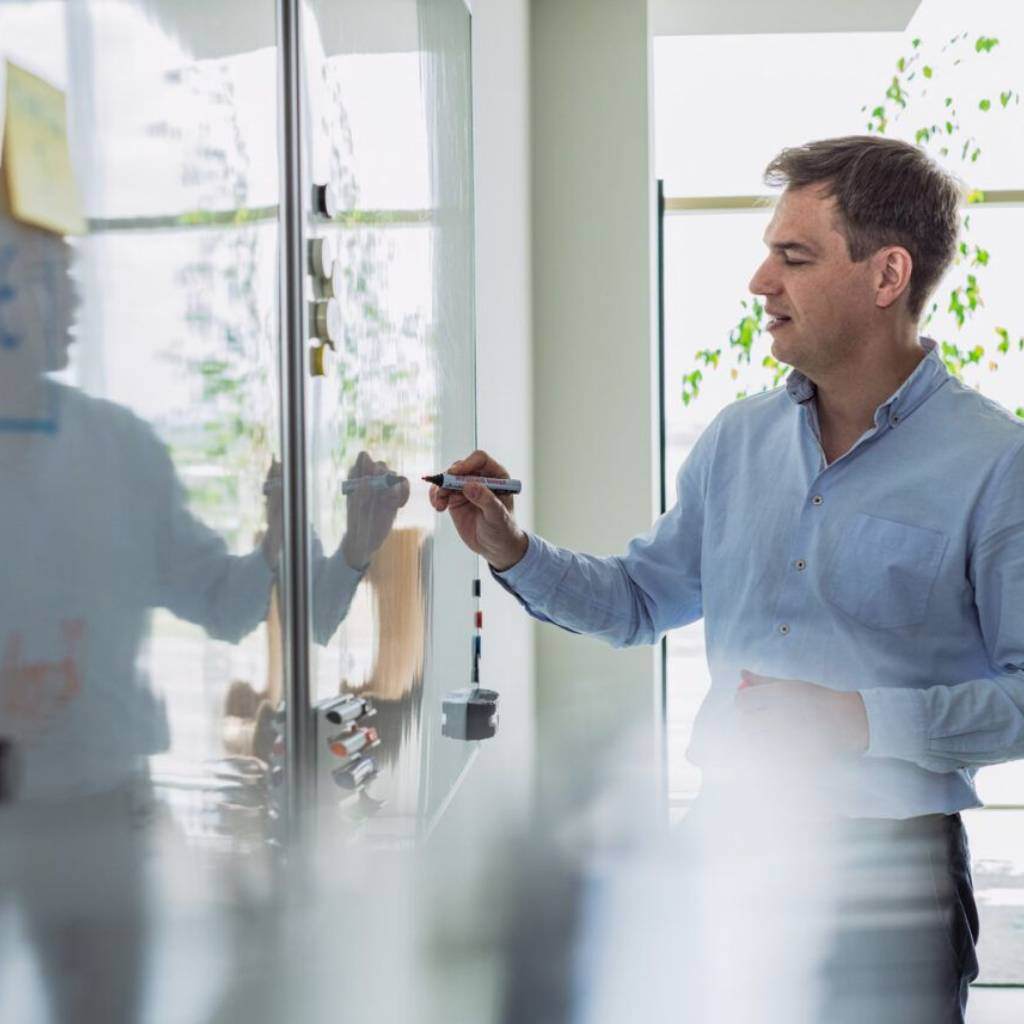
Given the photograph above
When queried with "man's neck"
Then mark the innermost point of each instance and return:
(848, 396)
(22, 395)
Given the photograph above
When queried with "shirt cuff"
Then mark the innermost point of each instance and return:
(897, 722)
(520, 573)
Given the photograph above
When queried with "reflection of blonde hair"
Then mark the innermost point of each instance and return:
(396, 579)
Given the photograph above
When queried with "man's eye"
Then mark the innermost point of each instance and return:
(794, 263)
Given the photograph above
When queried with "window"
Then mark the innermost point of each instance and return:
(724, 105)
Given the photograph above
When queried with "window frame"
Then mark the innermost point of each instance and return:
(681, 206)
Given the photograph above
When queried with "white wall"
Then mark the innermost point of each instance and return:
(565, 357)
(500, 783)
(504, 366)
(594, 397)
(495, 800)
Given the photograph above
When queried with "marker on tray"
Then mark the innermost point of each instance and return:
(351, 743)
(450, 482)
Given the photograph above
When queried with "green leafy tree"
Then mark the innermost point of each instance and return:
(949, 133)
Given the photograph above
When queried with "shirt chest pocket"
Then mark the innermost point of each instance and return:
(881, 572)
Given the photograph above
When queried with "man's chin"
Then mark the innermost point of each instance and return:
(785, 349)
(778, 350)
(60, 358)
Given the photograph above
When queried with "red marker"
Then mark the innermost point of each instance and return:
(351, 743)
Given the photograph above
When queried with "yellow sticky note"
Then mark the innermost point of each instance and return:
(40, 182)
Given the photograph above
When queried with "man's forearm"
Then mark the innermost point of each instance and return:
(945, 728)
(581, 593)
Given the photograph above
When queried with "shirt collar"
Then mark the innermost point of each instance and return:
(928, 376)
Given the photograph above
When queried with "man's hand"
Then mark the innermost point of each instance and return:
(371, 511)
(788, 717)
(483, 519)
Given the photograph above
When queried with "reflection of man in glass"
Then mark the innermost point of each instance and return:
(95, 532)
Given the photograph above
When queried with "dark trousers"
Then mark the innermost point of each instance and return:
(907, 923)
(874, 919)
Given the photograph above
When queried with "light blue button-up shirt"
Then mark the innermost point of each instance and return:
(896, 571)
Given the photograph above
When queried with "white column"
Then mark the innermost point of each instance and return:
(595, 402)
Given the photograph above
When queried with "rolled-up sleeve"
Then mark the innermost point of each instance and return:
(198, 578)
(633, 598)
(979, 721)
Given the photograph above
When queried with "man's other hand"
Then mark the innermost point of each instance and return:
(787, 717)
(482, 518)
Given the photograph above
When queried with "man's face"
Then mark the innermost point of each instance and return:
(37, 301)
(819, 301)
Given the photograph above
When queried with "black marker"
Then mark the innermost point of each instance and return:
(377, 483)
(456, 483)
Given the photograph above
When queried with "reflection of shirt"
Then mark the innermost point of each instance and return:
(94, 532)
(898, 571)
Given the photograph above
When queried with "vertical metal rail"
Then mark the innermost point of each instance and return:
(662, 433)
(294, 581)
(662, 457)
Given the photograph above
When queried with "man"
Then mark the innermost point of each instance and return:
(855, 543)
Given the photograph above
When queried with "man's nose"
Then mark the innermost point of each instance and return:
(763, 282)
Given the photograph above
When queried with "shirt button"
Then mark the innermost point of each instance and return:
(894, 420)
(799, 565)
(817, 499)
(784, 629)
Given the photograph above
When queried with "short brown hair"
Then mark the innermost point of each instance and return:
(888, 193)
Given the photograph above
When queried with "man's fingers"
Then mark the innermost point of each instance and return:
(470, 464)
(478, 464)
(438, 498)
(361, 466)
(443, 499)
(485, 500)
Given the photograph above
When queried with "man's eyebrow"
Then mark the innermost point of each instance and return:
(808, 250)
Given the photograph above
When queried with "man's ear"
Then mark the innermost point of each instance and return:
(894, 267)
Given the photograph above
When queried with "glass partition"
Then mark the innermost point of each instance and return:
(389, 139)
(138, 537)
(712, 249)
(143, 644)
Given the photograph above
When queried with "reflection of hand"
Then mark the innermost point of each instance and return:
(271, 543)
(787, 717)
(371, 511)
(483, 518)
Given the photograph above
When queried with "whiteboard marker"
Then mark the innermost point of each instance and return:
(377, 483)
(456, 483)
